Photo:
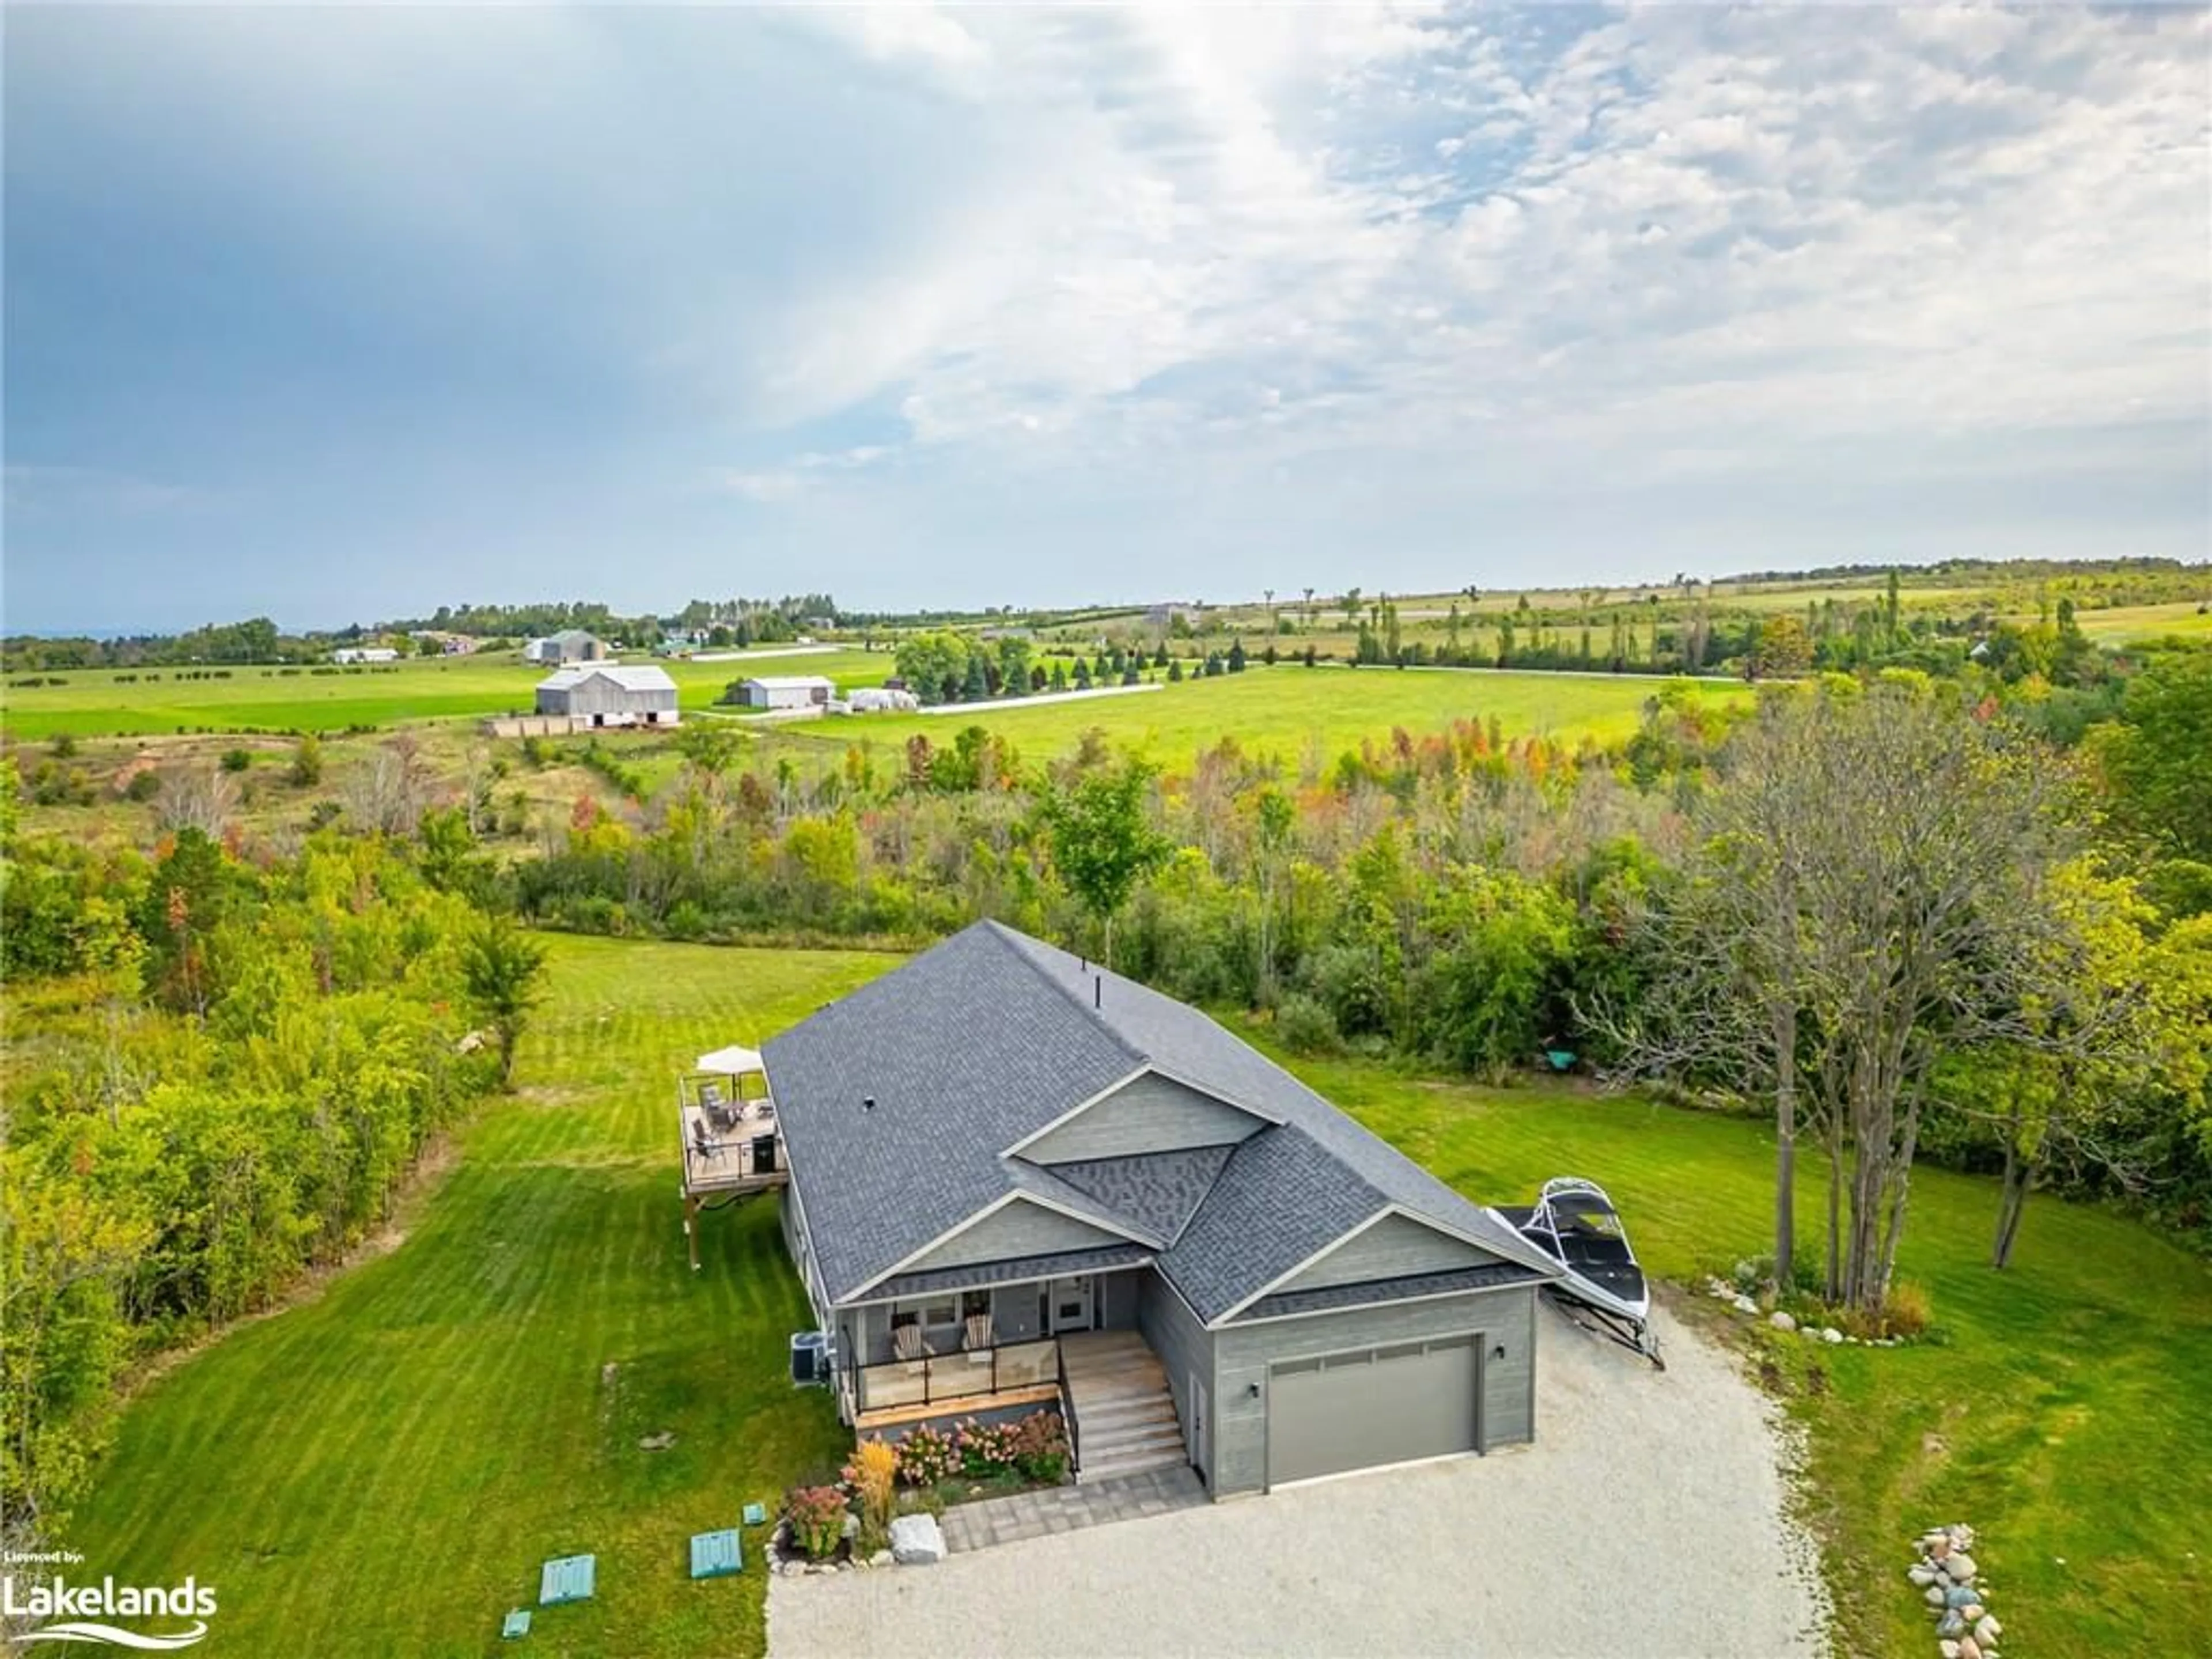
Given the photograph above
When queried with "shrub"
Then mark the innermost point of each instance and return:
(871, 1474)
(817, 1515)
(144, 786)
(1306, 1026)
(1909, 1311)
(237, 760)
(308, 763)
(986, 1448)
(64, 746)
(927, 1456)
(1040, 1448)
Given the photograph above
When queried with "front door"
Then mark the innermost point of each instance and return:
(1069, 1303)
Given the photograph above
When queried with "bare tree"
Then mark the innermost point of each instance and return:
(193, 797)
(392, 790)
(1872, 890)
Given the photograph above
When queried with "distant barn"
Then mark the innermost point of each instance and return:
(602, 694)
(569, 645)
(356, 654)
(788, 692)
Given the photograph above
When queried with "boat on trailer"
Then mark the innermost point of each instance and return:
(1575, 1224)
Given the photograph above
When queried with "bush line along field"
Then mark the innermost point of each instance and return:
(471, 1403)
(156, 702)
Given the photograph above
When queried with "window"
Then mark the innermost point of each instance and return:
(935, 1312)
(973, 1303)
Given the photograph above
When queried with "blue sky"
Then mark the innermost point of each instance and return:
(335, 314)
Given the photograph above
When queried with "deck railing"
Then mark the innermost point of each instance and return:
(748, 1152)
(971, 1374)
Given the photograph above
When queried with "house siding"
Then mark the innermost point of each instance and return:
(1021, 1228)
(1242, 1355)
(1148, 1114)
(1396, 1247)
(1184, 1346)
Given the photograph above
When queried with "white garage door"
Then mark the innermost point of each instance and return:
(1373, 1405)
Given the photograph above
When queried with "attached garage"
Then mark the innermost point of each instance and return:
(1370, 1406)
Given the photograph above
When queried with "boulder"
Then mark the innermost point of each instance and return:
(1950, 1625)
(1987, 1630)
(1948, 1648)
(916, 1541)
(1961, 1566)
(1972, 1610)
(1744, 1305)
(1830, 1334)
(1921, 1574)
(1970, 1648)
(1938, 1547)
(882, 1558)
(1934, 1595)
(1958, 1596)
(1781, 1321)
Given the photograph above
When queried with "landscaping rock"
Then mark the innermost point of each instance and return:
(1781, 1321)
(1973, 1610)
(1938, 1547)
(1744, 1305)
(916, 1541)
(1830, 1334)
(1961, 1567)
(1948, 1649)
(882, 1558)
(1970, 1648)
(1934, 1595)
(1921, 1574)
(1987, 1630)
(852, 1526)
(1958, 1596)
(660, 1442)
(1950, 1625)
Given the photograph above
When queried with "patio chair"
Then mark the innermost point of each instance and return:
(702, 1144)
(976, 1338)
(907, 1343)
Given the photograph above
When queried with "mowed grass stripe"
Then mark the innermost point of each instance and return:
(381, 1470)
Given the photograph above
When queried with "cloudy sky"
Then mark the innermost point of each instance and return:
(336, 314)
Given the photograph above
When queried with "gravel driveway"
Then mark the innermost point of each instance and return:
(1646, 1519)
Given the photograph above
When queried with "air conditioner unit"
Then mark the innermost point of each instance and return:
(813, 1356)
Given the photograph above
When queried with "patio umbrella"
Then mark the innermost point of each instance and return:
(732, 1061)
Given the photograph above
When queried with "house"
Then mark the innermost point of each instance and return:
(356, 654)
(1014, 1180)
(788, 692)
(569, 645)
(605, 694)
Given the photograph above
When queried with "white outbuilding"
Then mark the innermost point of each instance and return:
(604, 694)
(788, 692)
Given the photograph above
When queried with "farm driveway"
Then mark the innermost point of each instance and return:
(1647, 1520)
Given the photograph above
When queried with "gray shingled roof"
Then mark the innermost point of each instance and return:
(1330, 1297)
(1011, 1271)
(986, 1039)
(1158, 1191)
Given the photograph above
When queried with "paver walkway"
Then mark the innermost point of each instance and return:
(1070, 1509)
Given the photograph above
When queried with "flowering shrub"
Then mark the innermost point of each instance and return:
(817, 1515)
(927, 1456)
(986, 1448)
(1040, 1447)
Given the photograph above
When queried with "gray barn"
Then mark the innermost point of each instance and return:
(602, 694)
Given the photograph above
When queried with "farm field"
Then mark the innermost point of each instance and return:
(380, 1470)
(2123, 623)
(155, 702)
(1285, 709)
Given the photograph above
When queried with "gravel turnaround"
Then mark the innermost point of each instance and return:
(1648, 1520)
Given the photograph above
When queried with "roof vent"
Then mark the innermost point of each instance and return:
(1098, 992)
(867, 1103)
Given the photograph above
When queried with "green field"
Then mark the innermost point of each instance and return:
(2122, 623)
(381, 1470)
(1286, 710)
(92, 703)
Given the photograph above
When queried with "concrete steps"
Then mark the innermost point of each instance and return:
(1125, 1415)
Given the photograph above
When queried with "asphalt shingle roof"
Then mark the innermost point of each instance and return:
(1331, 1296)
(992, 1036)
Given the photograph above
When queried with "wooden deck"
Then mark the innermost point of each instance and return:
(743, 1157)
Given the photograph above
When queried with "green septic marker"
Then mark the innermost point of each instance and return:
(716, 1554)
(756, 1515)
(566, 1578)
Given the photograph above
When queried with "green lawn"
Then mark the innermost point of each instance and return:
(2061, 1413)
(381, 1470)
(94, 704)
(1285, 709)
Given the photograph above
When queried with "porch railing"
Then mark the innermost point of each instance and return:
(971, 1374)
